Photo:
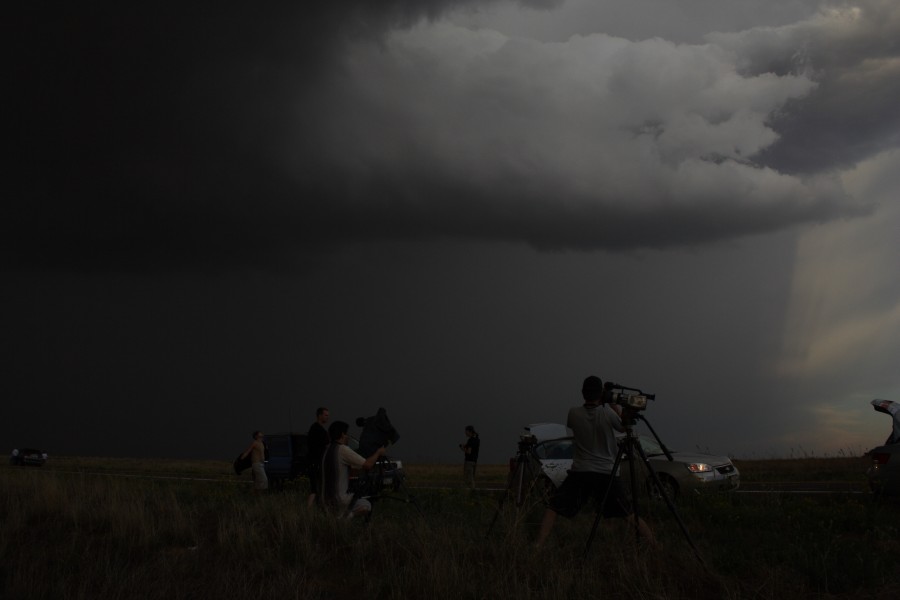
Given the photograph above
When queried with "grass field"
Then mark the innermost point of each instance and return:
(82, 528)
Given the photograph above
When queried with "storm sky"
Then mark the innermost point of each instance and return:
(217, 220)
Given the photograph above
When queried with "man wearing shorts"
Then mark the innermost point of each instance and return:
(257, 452)
(594, 426)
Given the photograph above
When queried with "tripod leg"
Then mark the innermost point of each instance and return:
(410, 498)
(509, 486)
(521, 483)
(602, 504)
(635, 505)
(669, 503)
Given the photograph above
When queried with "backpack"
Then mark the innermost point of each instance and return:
(241, 464)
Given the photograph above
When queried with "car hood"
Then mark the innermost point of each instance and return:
(691, 457)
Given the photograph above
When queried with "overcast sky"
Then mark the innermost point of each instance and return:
(218, 220)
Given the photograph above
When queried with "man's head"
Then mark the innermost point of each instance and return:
(322, 415)
(257, 435)
(337, 430)
(470, 431)
(592, 389)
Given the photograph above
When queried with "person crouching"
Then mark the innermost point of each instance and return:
(336, 464)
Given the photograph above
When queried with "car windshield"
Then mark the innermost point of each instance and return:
(651, 448)
(555, 449)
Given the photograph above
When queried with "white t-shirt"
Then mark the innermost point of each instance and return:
(347, 458)
(595, 438)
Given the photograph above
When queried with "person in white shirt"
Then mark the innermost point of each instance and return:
(336, 464)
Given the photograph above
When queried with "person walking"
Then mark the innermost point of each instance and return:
(257, 453)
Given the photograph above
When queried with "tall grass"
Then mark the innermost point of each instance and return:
(72, 535)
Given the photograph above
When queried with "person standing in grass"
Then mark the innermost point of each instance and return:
(316, 442)
(257, 453)
(594, 425)
(470, 449)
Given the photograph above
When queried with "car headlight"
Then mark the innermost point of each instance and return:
(699, 467)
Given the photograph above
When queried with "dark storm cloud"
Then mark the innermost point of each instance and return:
(143, 134)
(148, 136)
(851, 50)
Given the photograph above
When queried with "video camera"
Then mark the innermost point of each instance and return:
(624, 396)
(377, 431)
(527, 441)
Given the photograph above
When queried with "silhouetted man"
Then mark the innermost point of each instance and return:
(316, 442)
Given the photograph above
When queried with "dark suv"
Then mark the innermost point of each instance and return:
(287, 457)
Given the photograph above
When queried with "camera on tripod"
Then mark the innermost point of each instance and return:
(387, 473)
(626, 397)
(527, 441)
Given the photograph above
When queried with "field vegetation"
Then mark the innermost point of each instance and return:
(82, 528)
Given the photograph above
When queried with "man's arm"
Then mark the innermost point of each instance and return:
(617, 420)
(370, 462)
(249, 449)
(352, 458)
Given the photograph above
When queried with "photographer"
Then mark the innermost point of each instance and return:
(336, 464)
(594, 425)
(470, 449)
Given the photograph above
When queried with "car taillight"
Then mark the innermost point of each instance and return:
(512, 465)
(880, 458)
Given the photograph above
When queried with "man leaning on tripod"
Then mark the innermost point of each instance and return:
(594, 425)
(336, 464)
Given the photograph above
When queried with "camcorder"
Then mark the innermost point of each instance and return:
(377, 432)
(626, 397)
(527, 441)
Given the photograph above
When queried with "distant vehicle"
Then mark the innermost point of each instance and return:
(884, 473)
(28, 457)
(554, 447)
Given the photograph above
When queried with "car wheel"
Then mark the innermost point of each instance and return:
(669, 487)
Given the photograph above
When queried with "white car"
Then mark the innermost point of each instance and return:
(551, 447)
(884, 474)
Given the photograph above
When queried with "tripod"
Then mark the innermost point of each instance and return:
(629, 447)
(521, 478)
(371, 485)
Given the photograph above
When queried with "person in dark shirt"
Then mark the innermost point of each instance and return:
(470, 449)
(316, 441)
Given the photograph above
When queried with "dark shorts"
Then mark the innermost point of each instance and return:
(580, 487)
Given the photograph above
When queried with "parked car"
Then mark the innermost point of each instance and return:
(287, 457)
(552, 448)
(28, 456)
(884, 473)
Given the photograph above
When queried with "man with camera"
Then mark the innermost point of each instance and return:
(470, 449)
(336, 465)
(594, 425)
